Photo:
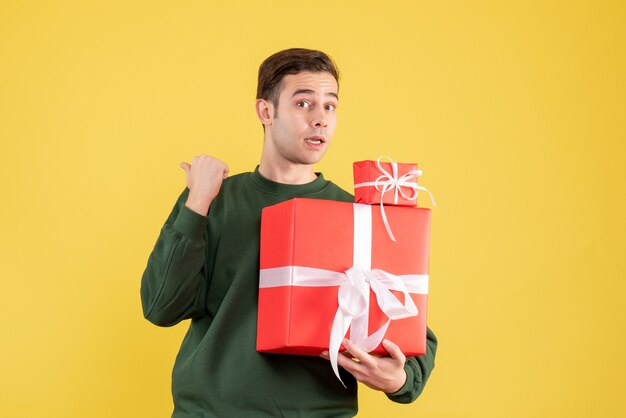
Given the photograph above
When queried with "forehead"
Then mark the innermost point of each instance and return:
(322, 83)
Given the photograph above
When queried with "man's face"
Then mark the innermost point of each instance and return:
(305, 119)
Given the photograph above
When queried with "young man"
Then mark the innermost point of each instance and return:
(205, 267)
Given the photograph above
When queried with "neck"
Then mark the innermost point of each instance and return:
(286, 172)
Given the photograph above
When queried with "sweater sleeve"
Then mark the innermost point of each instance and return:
(175, 273)
(418, 370)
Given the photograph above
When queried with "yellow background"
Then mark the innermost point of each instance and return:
(514, 110)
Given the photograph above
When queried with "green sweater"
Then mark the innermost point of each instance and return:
(206, 268)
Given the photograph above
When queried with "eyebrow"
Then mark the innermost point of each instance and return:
(309, 91)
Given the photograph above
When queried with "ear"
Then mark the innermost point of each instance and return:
(265, 111)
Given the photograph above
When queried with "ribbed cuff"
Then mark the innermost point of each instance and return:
(190, 224)
(408, 384)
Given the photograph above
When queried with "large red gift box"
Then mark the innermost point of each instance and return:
(394, 183)
(308, 244)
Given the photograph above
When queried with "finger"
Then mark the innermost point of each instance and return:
(185, 166)
(394, 351)
(226, 171)
(346, 354)
(343, 359)
(354, 367)
(357, 353)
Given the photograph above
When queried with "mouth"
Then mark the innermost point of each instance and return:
(315, 140)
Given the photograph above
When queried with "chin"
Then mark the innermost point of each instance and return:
(316, 159)
(307, 161)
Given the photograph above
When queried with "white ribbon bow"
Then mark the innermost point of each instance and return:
(390, 181)
(353, 310)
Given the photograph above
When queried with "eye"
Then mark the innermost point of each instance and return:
(303, 104)
(331, 107)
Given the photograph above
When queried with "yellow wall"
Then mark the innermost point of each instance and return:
(515, 111)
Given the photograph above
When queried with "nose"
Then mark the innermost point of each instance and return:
(319, 119)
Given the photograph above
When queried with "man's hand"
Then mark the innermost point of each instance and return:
(204, 179)
(380, 373)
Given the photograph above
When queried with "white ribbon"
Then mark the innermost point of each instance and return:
(354, 286)
(314, 277)
(390, 181)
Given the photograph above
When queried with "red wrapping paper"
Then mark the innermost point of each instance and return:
(368, 172)
(320, 234)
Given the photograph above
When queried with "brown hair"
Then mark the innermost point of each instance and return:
(290, 61)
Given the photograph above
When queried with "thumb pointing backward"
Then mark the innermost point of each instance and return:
(185, 166)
